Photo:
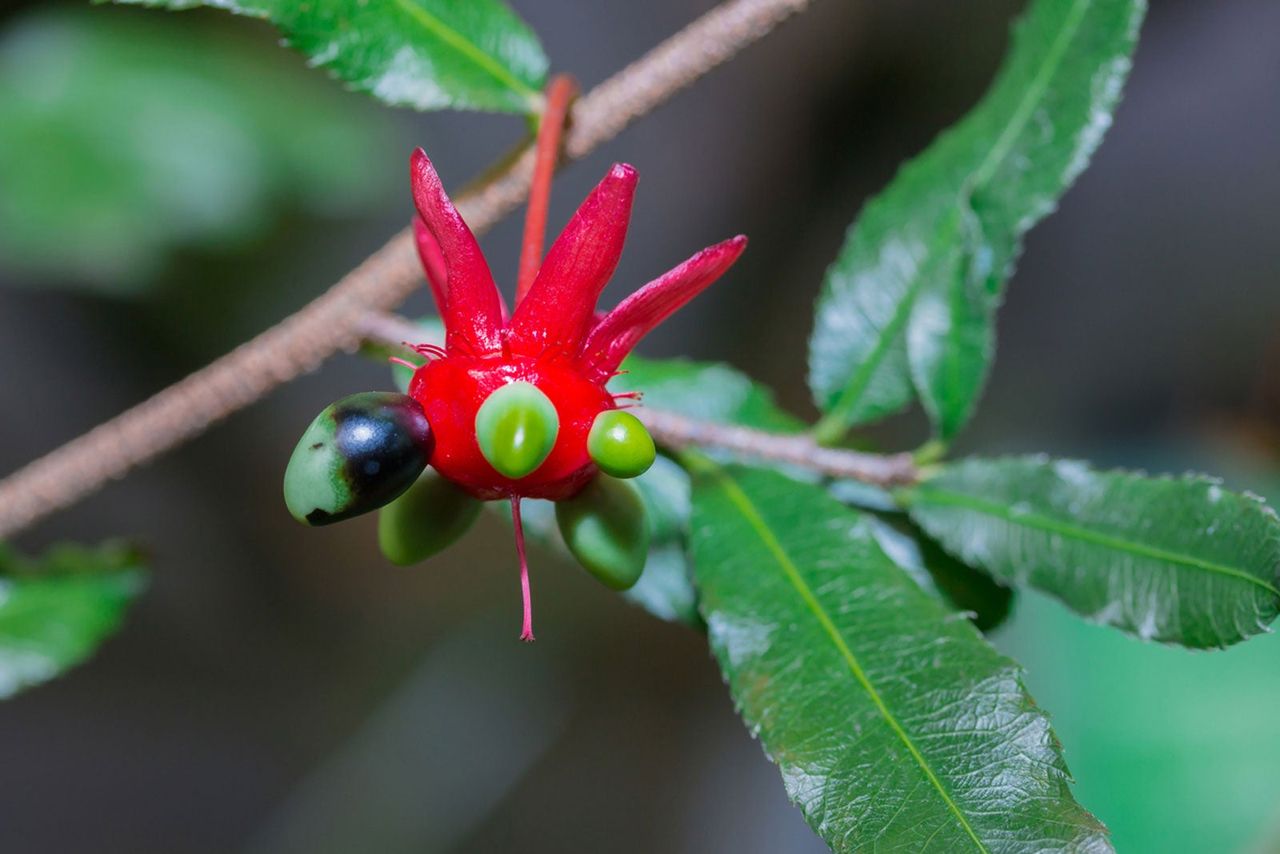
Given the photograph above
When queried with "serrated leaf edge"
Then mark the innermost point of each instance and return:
(744, 503)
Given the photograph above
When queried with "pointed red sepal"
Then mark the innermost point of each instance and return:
(433, 264)
(621, 329)
(473, 311)
(560, 307)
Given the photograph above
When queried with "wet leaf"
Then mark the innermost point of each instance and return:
(1173, 559)
(428, 54)
(895, 725)
(908, 308)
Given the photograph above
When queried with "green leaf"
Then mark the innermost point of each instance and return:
(127, 138)
(896, 727)
(55, 612)
(1173, 559)
(963, 588)
(908, 307)
(427, 54)
(706, 390)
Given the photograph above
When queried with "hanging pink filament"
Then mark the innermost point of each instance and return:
(526, 630)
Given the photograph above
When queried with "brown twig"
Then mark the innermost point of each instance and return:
(676, 432)
(301, 342)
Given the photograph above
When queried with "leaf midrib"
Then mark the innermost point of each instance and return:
(1041, 522)
(848, 400)
(744, 503)
(465, 46)
(851, 396)
(1039, 84)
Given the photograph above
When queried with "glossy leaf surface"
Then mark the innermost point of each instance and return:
(907, 309)
(428, 54)
(55, 612)
(961, 587)
(1173, 559)
(895, 725)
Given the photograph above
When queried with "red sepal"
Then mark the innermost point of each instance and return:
(473, 311)
(433, 264)
(559, 309)
(621, 329)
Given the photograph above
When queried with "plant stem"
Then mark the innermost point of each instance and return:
(301, 342)
(676, 432)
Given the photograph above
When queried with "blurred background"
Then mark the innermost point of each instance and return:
(171, 184)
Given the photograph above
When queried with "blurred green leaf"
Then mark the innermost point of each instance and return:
(705, 390)
(896, 727)
(56, 611)
(125, 138)
(665, 589)
(1179, 560)
(428, 54)
(908, 307)
(960, 586)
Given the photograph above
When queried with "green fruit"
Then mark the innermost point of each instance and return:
(516, 428)
(606, 529)
(357, 455)
(426, 520)
(620, 445)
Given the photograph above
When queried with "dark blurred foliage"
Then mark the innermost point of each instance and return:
(282, 689)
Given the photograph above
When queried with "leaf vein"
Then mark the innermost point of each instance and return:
(792, 573)
(466, 47)
(1041, 522)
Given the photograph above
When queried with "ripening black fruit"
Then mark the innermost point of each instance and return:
(357, 455)
(606, 528)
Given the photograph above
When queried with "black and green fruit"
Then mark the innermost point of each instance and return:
(606, 528)
(426, 520)
(358, 454)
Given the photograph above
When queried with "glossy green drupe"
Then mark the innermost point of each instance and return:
(426, 520)
(607, 530)
(516, 428)
(620, 444)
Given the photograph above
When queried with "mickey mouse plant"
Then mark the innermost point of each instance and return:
(514, 405)
(830, 597)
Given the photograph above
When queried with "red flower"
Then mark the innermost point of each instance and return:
(554, 340)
